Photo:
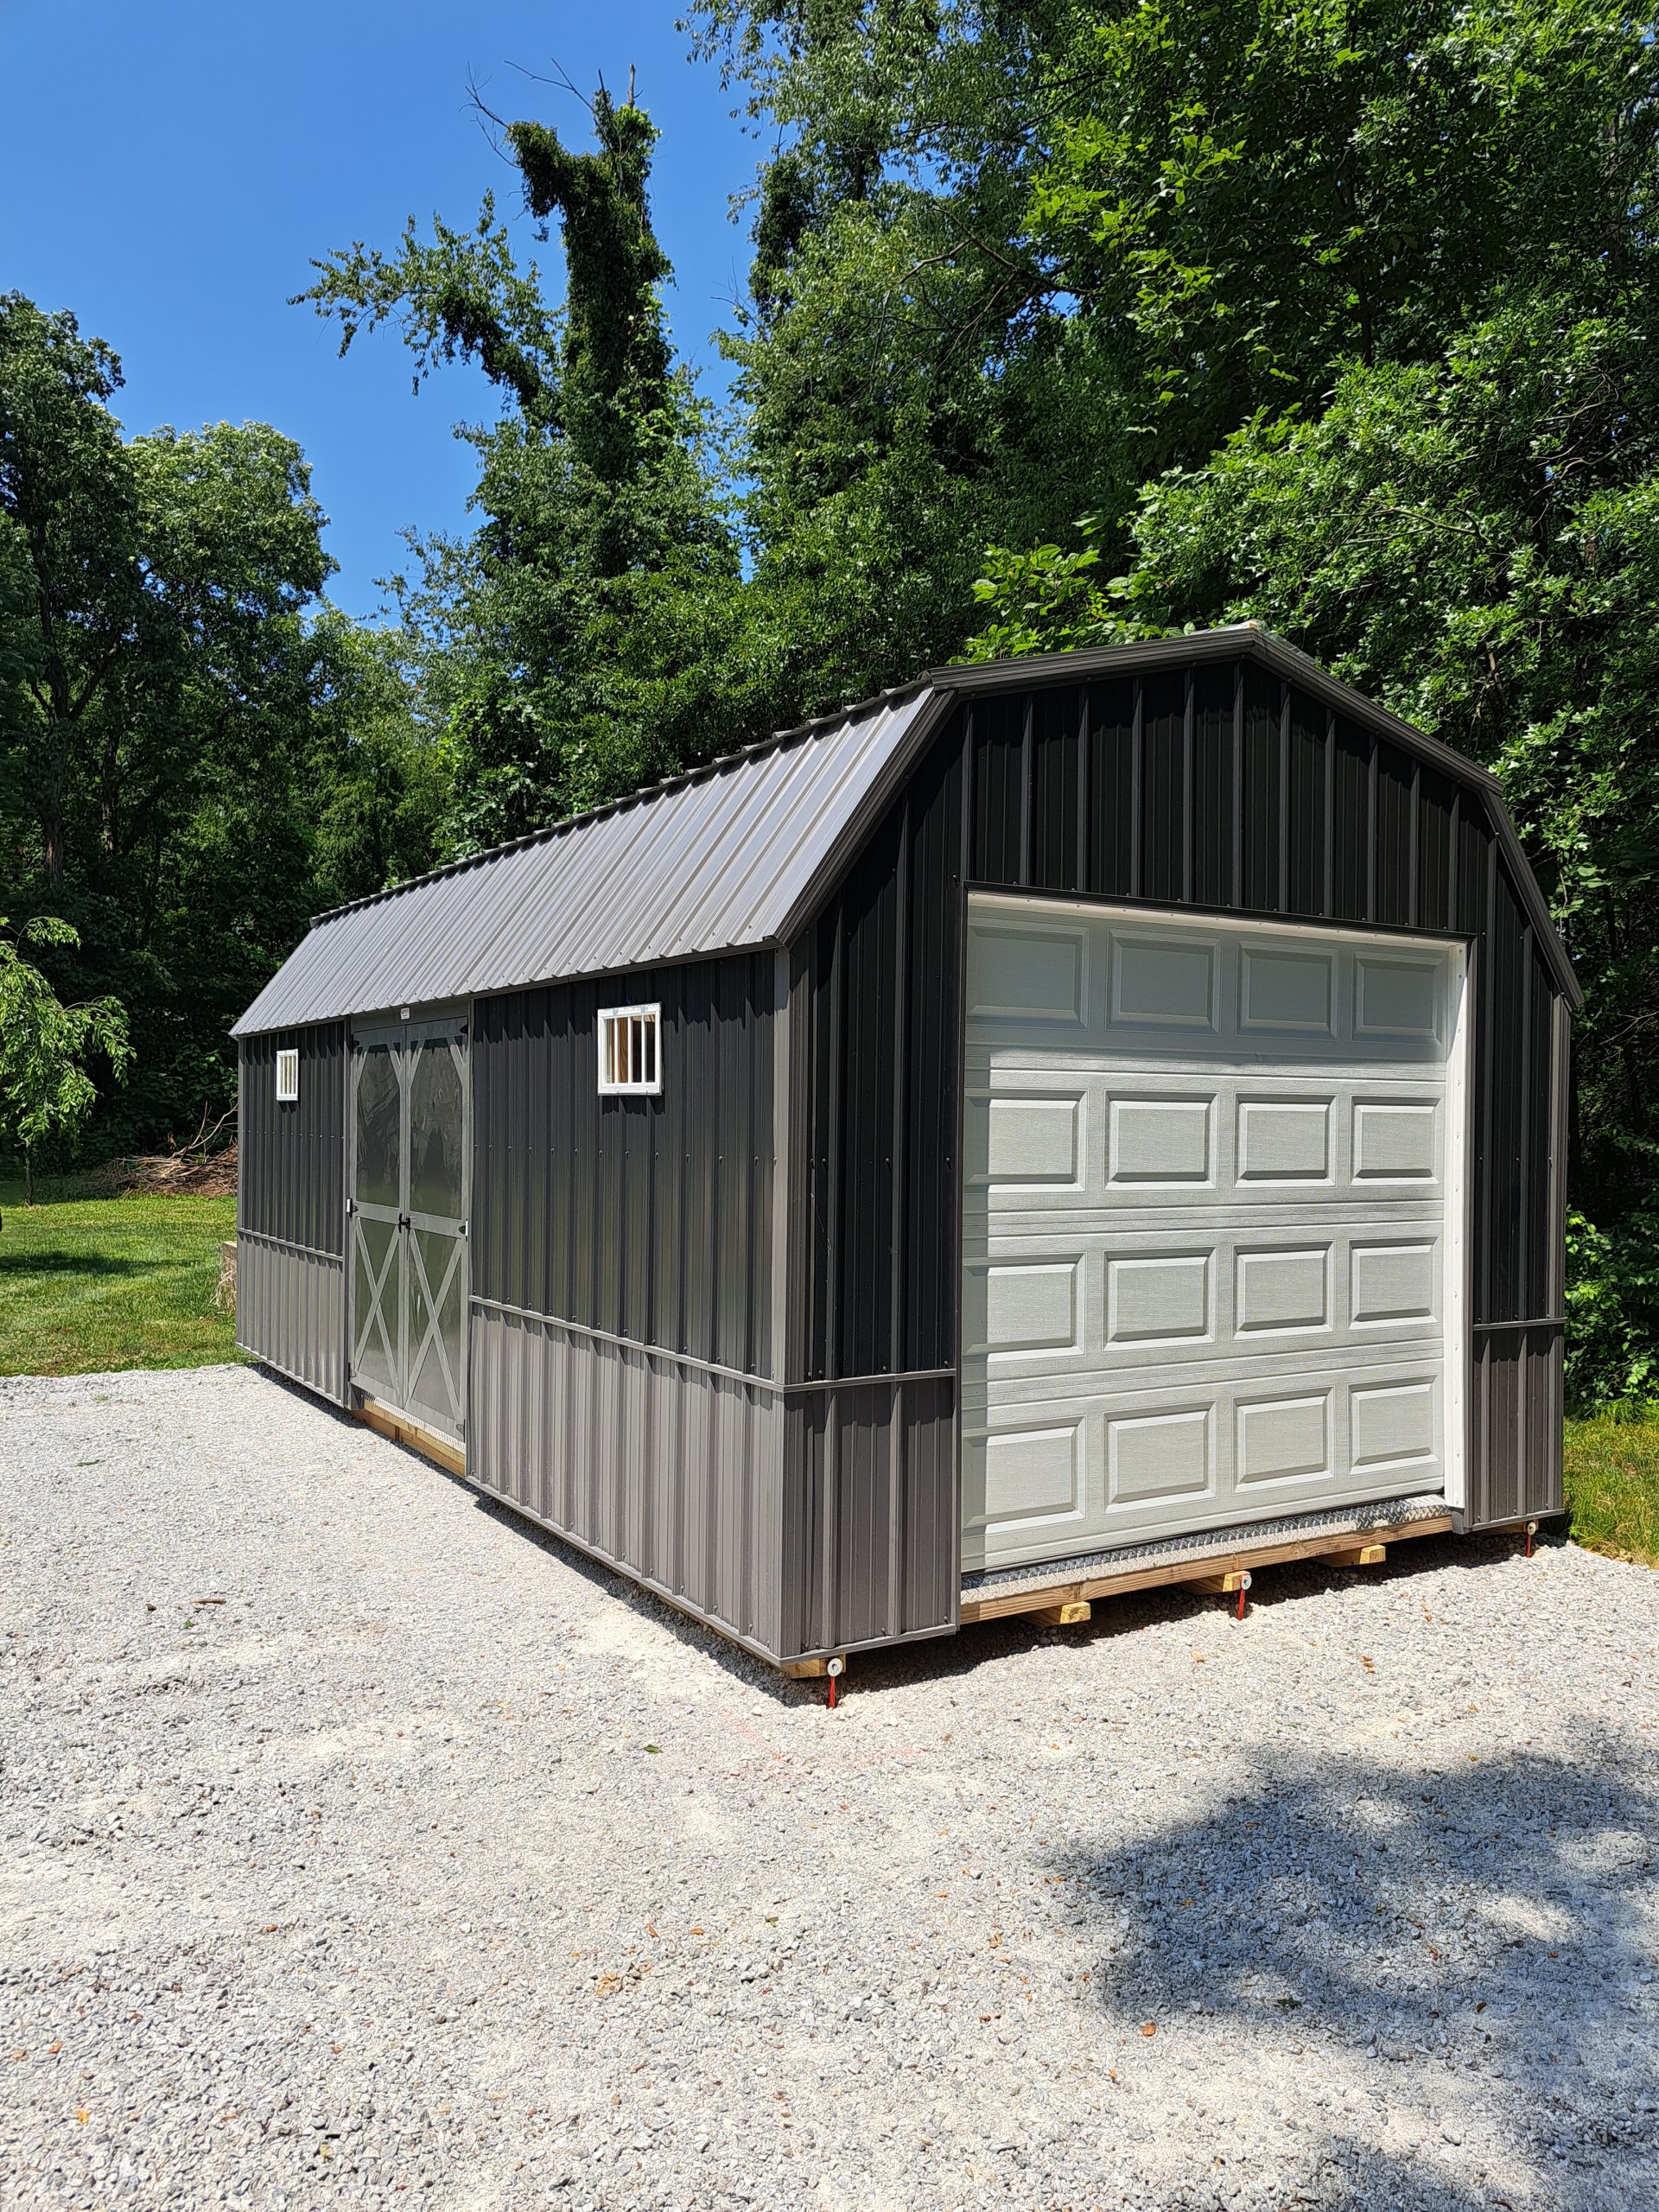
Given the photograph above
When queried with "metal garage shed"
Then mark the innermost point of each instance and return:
(1059, 1118)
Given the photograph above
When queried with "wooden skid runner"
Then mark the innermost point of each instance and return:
(443, 1450)
(1062, 1602)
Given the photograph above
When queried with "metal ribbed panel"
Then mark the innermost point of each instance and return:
(292, 1161)
(667, 1473)
(1516, 1419)
(647, 1217)
(291, 1311)
(718, 863)
(870, 1552)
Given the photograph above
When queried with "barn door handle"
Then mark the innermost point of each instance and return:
(402, 1221)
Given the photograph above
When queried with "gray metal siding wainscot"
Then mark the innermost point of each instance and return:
(290, 1307)
(622, 1384)
(1225, 785)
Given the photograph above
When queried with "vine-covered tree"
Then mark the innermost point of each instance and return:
(582, 635)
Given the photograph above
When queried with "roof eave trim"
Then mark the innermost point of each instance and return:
(899, 763)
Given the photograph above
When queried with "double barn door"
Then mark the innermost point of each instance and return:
(410, 1145)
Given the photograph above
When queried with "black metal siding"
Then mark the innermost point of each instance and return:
(1219, 786)
(871, 1535)
(623, 1390)
(292, 1161)
(290, 1307)
(648, 1218)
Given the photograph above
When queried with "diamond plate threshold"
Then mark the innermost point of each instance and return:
(1062, 1589)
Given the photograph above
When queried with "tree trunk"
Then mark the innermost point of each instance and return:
(52, 834)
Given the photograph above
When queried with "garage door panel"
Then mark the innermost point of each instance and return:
(1165, 984)
(1394, 1422)
(1285, 1439)
(1395, 1281)
(1284, 1141)
(1160, 1299)
(1400, 998)
(1060, 1475)
(1157, 1140)
(1312, 1364)
(1111, 1300)
(1206, 1259)
(1135, 1138)
(1024, 1487)
(1025, 1304)
(1287, 992)
(1396, 1140)
(1030, 1141)
(1280, 1289)
(1028, 973)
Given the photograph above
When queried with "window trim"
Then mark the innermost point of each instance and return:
(641, 1027)
(288, 1075)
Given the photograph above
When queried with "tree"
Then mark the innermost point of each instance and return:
(173, 755)
(908, 387)
(68, 551)
(580, 641)
(44, 1045)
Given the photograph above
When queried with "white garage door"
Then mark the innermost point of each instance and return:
(1212, 1264)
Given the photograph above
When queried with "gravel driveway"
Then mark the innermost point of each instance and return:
(428, 1858)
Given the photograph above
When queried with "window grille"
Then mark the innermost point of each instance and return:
(630, 1050)
(287, 1077)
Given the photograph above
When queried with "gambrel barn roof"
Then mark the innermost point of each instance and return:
(736, 854)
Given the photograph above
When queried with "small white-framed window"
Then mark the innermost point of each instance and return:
(630, 1050)
(287, 1077)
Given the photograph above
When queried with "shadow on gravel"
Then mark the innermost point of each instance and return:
(985, 1643)
(1470, 1942)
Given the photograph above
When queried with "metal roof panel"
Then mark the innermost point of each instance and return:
(713, 863)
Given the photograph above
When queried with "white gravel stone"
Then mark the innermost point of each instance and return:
(359, 1845)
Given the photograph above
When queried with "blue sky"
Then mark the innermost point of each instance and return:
(169, 173)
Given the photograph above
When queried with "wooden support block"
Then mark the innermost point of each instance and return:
(1359, 1555)
(1062, 1616)
(1217, 1575)
(807, 1670)
(442, 1451)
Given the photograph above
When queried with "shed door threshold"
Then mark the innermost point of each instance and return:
(445, 1451)
(1379, 1518)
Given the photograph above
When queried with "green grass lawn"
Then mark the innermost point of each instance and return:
(1613, 1486)
(91, 1284)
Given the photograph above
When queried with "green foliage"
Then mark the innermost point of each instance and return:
(1247, 194)
(45, 1045)
(190, 760)
(1613, 1312)
(908, 381)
